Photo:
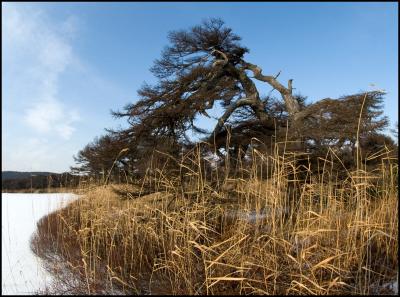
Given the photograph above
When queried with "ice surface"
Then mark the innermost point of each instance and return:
(22, 271)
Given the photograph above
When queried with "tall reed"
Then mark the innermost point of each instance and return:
(207, 233)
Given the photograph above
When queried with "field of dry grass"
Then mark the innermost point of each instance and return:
(243, 236)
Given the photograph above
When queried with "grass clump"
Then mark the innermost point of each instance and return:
(246, 235)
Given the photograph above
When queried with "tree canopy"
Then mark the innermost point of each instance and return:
(205, 66)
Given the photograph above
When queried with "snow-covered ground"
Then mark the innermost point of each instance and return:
(22, 271)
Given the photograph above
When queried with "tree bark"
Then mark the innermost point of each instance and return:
(231, 108)
(291, 103)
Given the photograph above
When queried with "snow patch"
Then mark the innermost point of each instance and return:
(252, 216)
(22, 271)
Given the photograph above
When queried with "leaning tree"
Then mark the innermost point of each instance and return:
(204, 67)
(201, 68)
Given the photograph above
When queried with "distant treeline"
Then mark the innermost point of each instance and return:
(13, 181)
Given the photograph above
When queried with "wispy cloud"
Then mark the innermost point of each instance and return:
(38, 51)
(44, 80)
(50, 116)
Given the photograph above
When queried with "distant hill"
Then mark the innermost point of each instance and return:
(5, 175)
(15, 180)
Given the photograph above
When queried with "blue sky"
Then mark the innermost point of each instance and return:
(66, 65)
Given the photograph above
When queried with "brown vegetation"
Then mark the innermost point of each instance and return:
(249, 237)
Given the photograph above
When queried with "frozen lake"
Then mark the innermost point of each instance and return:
(22, 271)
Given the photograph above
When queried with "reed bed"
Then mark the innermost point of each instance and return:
(249, 234)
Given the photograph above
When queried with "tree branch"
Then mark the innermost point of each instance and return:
(286, 93)
(231, 108)
(218, 61)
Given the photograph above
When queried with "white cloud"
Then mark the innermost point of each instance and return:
(66, 129)
(40, 69)
(50, 116)
(41, 116)
(37, 52)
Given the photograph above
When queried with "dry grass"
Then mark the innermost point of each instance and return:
(248, 237)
